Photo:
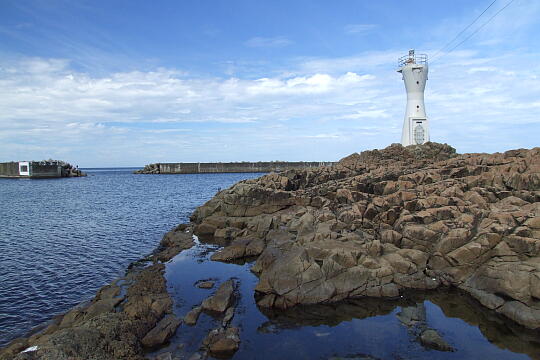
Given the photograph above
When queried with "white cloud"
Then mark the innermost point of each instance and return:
(47, 109)
(359, 28)
(325, 136)
(268, 42)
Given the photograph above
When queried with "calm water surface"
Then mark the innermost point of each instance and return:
(61, 239)
(366, 329)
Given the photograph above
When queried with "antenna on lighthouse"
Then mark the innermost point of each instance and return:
(414, 69)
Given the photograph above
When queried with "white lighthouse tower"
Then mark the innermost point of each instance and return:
(414, 68)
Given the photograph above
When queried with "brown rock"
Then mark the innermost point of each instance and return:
(205, 284)
(431, 339)
(222, 343)
(192, 316)
(222, 299)
(236, 250)
(521, 313)
(164, 329)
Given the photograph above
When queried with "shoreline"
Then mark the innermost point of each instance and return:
(141, 294)
(249, 219)
(150, 269)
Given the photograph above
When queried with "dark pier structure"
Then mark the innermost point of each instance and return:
(38, 169)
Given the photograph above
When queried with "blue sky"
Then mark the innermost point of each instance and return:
(125, 83)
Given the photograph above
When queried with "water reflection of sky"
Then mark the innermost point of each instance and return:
(360, 329)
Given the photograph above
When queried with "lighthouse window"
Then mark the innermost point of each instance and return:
(24, 168)
(419, 134)
(418, 106)
(418, 82)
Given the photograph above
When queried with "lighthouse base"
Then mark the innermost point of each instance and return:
(415, 131)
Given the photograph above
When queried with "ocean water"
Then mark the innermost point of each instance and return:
(62, 239)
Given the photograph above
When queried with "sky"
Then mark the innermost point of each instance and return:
(127, 83)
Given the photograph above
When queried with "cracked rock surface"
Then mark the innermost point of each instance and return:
(380, 222)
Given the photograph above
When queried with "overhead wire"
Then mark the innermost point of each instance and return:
(465, 29)
(478, 29)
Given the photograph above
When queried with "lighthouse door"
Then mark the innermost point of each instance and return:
(419, 134)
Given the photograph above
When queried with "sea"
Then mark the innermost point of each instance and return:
(62, 239)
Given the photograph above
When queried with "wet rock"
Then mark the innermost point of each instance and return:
(222, 343)
(222, 298)
(236, 250)
(229, 314)
(240, 248)
(205, 284)
(521, 313)
(164, 329)
(412, 315)
(192, 316)
(164, 356)
(431, 339)
(197, 356)
(354, 357)
(174, 241)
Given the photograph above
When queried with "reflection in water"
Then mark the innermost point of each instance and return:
(353, 329)
(412, 314)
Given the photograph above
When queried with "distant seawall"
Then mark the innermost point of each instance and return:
(232, 167)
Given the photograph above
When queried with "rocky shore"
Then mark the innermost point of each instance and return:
(379, 222)
(375, 225)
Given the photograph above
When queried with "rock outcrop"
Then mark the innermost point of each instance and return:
(163, 330)
(383, 221)
(192, 316)
(222, 343)
(222, 299)
(208, 284)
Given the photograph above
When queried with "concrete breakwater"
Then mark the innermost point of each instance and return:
(230, 167)
(39, 169)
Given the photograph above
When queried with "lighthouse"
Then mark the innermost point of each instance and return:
(414, 69)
